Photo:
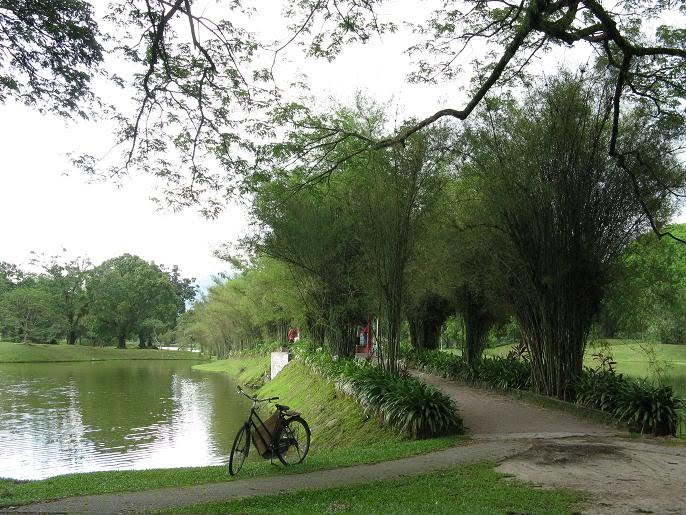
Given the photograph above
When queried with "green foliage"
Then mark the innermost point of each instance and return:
(648, 295)
(129, 296)
(69, 299)
(643, 405)
(561, 209)
(403, 402)
(649, 408)
(503, 372)
(599, 390)
(55, 51)
(29, 312)
(252, 310)
(496, 371)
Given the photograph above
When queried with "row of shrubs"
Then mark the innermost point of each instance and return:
(402, 402)
(496, 372)
(642, 405)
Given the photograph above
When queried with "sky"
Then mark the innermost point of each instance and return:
(45, 206)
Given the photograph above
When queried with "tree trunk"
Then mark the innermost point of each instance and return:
(121, 341)
(71, 337)
(477, 322)
(141, 341)
(416, 332)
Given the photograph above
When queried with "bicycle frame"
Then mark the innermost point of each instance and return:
(263, 427)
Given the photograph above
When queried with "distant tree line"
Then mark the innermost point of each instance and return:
(521, 215)
(122, 298)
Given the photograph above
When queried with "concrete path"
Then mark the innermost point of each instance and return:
(503, 426)
(489, 414)
(138, 502)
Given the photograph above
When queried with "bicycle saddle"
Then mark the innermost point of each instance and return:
(281, 407)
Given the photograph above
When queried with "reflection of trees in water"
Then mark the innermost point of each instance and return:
(122, 400)
(230, 411)
(66, 417)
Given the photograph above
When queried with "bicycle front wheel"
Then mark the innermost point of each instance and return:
(239, 450)
(293, 441)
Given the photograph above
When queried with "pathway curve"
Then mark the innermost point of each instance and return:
(490, 414)
(541, 445)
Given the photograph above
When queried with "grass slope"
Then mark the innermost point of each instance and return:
(471, 489)
(35, 352)
(336, 420)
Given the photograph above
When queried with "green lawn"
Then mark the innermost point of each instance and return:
(472, 489)
(35, 352)
(629, 351)
(630, 357)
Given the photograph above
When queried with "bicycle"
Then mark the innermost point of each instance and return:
(285, 435)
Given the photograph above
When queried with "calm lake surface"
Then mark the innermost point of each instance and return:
(58, 418)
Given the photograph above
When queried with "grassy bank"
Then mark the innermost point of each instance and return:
(35, 352)
(336, 420)
(465, 489)
(349, 439)
(247, 370)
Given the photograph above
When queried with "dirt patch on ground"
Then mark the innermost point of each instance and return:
(620, 476)
(558, 453)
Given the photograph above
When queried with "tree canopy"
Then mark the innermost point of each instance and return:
(208, 103)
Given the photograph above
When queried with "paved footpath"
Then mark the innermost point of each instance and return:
(138, 502)
(502, 426)
(488, 414)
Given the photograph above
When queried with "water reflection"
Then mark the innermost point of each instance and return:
(82, 417)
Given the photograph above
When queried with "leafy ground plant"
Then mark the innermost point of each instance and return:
(401, 401)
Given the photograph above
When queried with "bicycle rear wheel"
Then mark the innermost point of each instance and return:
(293, 441)
(239, 450)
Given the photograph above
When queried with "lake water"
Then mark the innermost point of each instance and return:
(58, 418)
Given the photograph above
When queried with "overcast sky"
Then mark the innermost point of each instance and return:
(44, 210)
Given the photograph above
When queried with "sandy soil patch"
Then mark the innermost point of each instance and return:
(621, 476)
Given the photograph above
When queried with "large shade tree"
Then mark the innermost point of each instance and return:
(129, 296)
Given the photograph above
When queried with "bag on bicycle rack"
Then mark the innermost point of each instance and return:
(263, 440)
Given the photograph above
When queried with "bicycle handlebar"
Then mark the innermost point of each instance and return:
(254, 398)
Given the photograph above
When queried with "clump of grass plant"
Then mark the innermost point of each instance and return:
(503, 372)
(599, 389)
(644, 406)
